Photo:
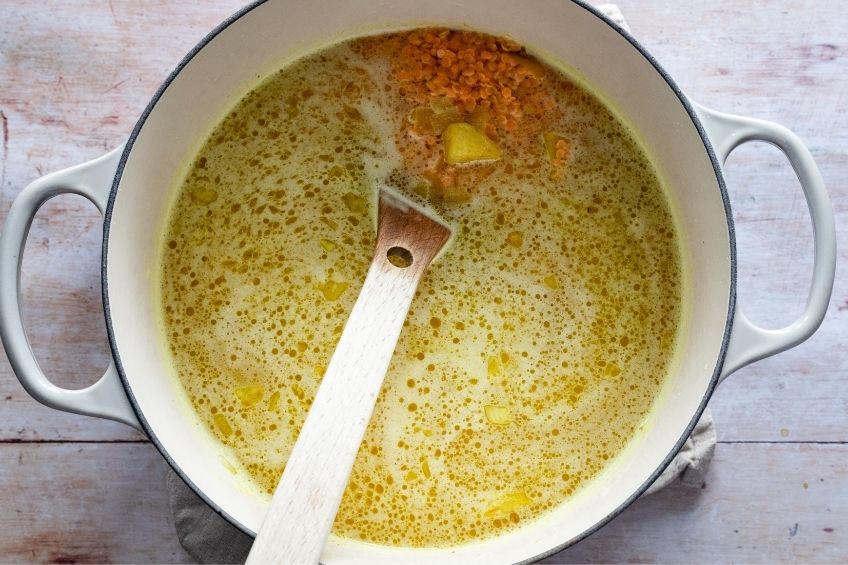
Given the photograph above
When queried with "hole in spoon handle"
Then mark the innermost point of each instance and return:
(400, 257)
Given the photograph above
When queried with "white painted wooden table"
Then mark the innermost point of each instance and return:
(74, 76)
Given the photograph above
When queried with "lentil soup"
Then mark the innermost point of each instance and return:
(534, 347)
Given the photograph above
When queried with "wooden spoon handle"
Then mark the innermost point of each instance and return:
(307, 498)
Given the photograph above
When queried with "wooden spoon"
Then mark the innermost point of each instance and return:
(308, 495)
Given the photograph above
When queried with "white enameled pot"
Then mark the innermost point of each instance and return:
(133, 187)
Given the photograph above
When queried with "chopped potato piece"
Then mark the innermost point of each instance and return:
(515, 238)
(250, 395)
(330, 223)
(611, 370)
(421, 120)
(425, 468)
(455, 194)
(442, 105)
(557, 148)
(411, 476)
(354, 203)
(465, 144)
(498, 415)
(551, 282)
(424, 189)
(332, 290)
(298, 390)
(327, 245)
(507, 504)
(204, 195)
(494, 367)
(274, 401)
(223, 424)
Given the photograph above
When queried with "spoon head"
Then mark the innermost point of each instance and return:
(407, 235)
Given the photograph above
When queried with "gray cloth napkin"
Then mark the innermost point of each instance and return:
(209, 538)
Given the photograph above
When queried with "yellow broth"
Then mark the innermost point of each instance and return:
(534, 347)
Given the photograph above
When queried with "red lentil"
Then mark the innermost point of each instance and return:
(474, 71)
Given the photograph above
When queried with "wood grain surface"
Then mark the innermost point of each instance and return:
(75, 75)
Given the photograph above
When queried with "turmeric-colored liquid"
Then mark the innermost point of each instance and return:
(534, 347)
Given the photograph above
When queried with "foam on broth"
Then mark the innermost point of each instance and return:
(533, 349)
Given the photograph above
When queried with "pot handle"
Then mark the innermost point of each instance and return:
(106, 398)
(748, 341)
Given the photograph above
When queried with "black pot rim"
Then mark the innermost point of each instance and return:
(684, 435)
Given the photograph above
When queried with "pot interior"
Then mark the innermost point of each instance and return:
(264, 38)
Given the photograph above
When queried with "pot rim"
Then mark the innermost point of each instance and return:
(696, 122)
